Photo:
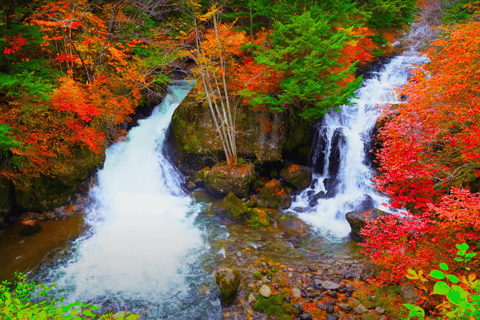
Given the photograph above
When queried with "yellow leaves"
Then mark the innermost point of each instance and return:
(209, 14)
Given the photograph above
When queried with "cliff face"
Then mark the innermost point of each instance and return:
(263, 135)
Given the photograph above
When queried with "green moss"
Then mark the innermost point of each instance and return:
(234, 206)
(388, 298)
(258, 218)
(258, 275)
(275, 305)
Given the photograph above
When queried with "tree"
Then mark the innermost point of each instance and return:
(306, 52)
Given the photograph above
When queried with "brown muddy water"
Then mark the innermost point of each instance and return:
(22, 252)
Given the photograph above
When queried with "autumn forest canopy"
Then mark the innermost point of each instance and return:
(72, 73)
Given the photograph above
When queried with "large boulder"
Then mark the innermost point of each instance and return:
(228, 281)
(223, 179)
(274, 196)
(358, 220)
(297, 176)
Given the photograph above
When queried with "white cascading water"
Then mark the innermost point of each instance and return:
(342, 179)
(143, 244)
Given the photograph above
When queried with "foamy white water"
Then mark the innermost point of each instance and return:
(342, 175)
(143, 244)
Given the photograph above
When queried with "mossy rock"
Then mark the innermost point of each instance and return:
(228, 281)
(223, 179)
(234, 206)
(297, 176)
(273, 196)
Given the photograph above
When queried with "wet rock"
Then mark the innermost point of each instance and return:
(294, 226)
(358, 220)
(190, 186)
(265, 291)
(228, 281)
(331, 318)
(329, 285)
(297, 176)
(332, 294)
(223, 179)
(274, 196)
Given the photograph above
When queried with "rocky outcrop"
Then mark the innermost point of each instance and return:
(358, 220)
(297, 176)
(223, 179)
(261, 134)
(228, 281)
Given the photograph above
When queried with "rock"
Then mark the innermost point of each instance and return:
(332, 294)
(331, 318)
(191, 185)
(329, 308)
(368, 271)
(294, 226)
(265, 291)
(228, 281)
(329, 285)
(345, 307)
(358, 219)
(305, 316)
(274, 196)
(251, 298)
(199, 177)
(296, 293)
(297, 176)
(223, 179)
(361, 309)
(234, 206)
(321, 306)
(408, 294)
(380, 310)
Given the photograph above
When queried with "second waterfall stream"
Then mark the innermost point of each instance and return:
(342, 178)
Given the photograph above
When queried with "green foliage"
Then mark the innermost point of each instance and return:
(6, 142)
(456, 11)
(21, 302)
(306, 50)
(275, 305)
(462, 294)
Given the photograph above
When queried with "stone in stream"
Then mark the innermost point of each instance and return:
(358, 220)
(228, 281)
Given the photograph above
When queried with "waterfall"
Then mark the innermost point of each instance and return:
(142, 249)
(342, 179)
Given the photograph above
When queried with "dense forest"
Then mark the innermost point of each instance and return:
(73, 73)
